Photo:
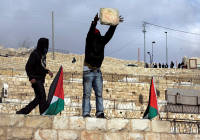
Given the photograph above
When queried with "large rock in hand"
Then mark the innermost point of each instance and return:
(109, 16)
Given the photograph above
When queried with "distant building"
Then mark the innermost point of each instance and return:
(192, 63)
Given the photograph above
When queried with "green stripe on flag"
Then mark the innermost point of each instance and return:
(55, 107)
(152, 112)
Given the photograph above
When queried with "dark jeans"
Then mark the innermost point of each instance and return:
(40, 98)
(92, 80)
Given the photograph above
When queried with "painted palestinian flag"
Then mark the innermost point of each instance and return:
(55, 99)
(152, 108)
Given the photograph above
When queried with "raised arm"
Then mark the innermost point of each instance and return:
(93, 25)
(109, 34)
(111, 31)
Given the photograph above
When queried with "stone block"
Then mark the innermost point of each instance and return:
(140, 125)
(109, 16)
(76, 123)
(95, 124)
(5, 120)
(2, 132)
(67, 101)
(3, 138)
(45, 134)
(167, 136)
(116, 136)
(173, 137)
(68, 135)
(108, 104)
(136, 136)
(196, 137)
(185, 137)
(124, 105)
(160, 126)
(118, 125)
(38, 122)
(20, 133)
(60, 122)
(152, 136)
(91, 135)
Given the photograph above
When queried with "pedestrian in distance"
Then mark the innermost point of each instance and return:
(159, 65)
(163, 65)
(171, 64)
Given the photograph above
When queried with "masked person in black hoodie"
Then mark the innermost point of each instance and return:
(92, 76)
(36, 71)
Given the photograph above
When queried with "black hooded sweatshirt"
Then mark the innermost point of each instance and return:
(95, 44)
(36, 64)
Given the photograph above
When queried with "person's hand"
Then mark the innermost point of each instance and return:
(50, 74)
(96, 18)
(121, 19)
(33, 81)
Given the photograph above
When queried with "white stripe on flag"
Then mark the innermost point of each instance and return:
(55, 98)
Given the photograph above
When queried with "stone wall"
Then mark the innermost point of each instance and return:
(122, 88)
(20, 127)
(121, 93)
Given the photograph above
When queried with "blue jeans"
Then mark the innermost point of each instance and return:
(92, 80)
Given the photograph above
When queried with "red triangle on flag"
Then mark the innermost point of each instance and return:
(59, 92)
(153, 97)
(152, 108)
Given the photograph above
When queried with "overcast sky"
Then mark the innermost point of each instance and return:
(31, 19)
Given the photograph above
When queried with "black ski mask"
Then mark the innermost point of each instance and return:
(43, 45)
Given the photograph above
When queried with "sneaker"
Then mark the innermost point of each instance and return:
(87, 115)
(20, 112)
(101, 116)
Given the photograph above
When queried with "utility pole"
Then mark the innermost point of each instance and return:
(138, 55)
(144, 31)
(166, 50)
(53, 34)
